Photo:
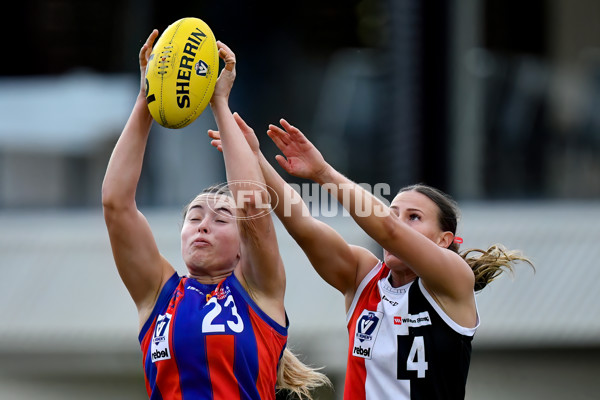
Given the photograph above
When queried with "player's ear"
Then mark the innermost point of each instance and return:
(445, 239)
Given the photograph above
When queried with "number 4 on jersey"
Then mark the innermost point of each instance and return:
(413, 359)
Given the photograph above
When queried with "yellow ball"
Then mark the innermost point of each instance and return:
(181, 73)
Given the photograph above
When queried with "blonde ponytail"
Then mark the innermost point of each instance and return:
(293, 375)
(491, 263)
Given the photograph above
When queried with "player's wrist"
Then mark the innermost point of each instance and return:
(324, 174)
(219, 101)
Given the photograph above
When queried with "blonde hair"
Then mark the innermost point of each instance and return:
(491, 262)
(298, 378)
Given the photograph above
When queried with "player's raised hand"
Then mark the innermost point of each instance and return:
(227, 75)
(145, 52)
(300, 157)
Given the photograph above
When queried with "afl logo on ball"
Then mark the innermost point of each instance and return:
(201, 68)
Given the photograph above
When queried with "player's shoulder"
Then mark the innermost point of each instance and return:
(364, 257)
(365, 262)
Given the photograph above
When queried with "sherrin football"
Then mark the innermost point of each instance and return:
(181, 73)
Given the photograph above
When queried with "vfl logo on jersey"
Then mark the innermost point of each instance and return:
(368, 325)
(414, 321)
(159, 348)
(366, 330)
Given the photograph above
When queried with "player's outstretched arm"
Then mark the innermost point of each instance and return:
(341, 265)
(261, 267)
(444, 271)
(140, 265)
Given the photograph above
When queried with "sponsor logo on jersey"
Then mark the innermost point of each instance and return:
(195, 290)
(362, 352)
(219, 292)
(397, 320)
(223, 292)
(367, 326)
(392, 302)
(414, 321)
(159, 347)
(160, 355)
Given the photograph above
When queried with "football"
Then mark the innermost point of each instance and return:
(181, 73)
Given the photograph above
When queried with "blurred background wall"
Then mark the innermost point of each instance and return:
(494, 102)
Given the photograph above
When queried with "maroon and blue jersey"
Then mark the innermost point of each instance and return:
(210, 342)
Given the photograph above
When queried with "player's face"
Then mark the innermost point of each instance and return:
(210, 240)
(417, 211)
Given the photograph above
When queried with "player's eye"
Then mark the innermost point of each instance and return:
(414, 217)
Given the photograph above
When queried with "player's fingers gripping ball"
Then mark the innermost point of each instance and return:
(181, 73)
(227, 55)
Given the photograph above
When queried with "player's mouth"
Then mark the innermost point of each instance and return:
(201, 242)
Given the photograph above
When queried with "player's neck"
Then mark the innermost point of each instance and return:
(401, 278)
(209, 279)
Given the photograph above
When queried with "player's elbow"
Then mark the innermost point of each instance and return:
(114, 199)
(110, 197)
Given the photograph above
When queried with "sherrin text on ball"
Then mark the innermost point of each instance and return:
(181, 73)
